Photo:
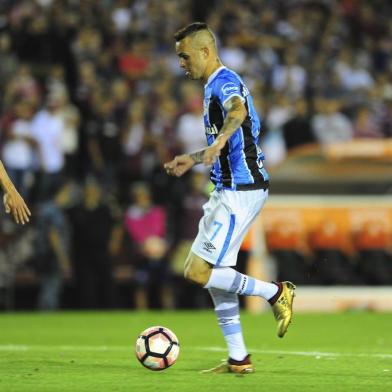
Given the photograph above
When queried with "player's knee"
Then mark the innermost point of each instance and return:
(197, 273)
(194, 276)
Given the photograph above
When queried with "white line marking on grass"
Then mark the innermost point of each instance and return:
(317, 354)
(300, 353)
(13, 347)
(16, 347)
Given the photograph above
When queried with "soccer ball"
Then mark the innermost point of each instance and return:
(157, 348)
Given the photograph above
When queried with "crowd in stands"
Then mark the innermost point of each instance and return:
(93, 101)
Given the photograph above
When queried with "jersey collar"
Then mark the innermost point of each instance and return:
(214, 74)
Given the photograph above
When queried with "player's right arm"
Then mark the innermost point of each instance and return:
(12, 200)
(180, 164)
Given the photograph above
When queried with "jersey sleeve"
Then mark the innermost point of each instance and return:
(228, 87)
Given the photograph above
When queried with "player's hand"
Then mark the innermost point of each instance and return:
(15, 205)
(179, 165)
(212, 153)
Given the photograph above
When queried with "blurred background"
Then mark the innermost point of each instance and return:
(93, 102)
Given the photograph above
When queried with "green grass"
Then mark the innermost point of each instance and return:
(90, 351)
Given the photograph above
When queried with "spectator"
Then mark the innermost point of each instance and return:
(88, 44)
(69, 116)
(233, 56)
(133, 141)
(146, 228)
(353, 75)
(23, 85)
(274, 144)
(52, 259)
(135, 61)
(329, 125)
(186, 212)
(19, 149)
(297, 131)
(190, 129)
(8, 59)
(365, 125)
(92, 229)
(47, 131)
(104, 141)
(290, 76)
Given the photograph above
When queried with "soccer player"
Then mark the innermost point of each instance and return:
(12, 200)
(241, 189)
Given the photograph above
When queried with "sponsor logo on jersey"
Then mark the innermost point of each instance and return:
(208, 247)
(212, 130)
(230, 88)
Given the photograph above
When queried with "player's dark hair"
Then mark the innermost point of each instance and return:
(190, 29)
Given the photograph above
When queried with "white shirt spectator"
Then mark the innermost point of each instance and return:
(18, 153)
(122, 18)
(353, 78)
(47, 131)
(332, 128)
(69, 116)
(278, 115)
(234, 58)
(191, 134)
(133, 141)
(290, 78)
(356, 79)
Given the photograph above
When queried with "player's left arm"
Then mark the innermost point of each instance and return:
(236, 114)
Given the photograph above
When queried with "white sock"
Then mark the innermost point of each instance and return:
(231, 281)
(227, 312)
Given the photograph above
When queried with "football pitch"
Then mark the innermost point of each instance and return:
(94, 351)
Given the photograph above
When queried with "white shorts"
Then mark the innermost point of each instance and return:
(227, 217)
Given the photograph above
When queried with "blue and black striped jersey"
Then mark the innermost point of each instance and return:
(240, 165)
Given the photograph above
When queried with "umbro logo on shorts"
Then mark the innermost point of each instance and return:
(208, 247)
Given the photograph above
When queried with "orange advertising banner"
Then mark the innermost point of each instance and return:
(343, 222)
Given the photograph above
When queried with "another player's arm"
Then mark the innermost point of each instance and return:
(13, 202)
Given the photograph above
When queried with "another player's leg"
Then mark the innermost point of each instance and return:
(227, 312)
